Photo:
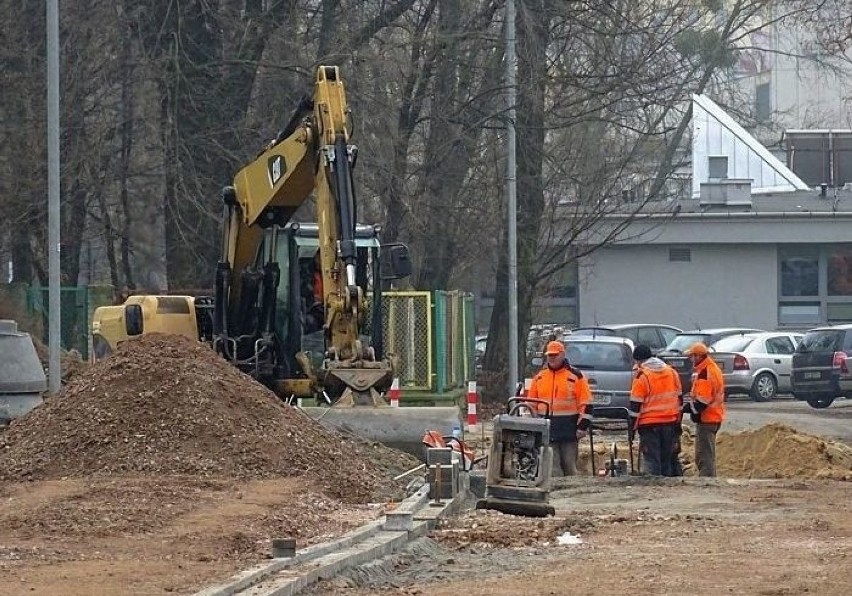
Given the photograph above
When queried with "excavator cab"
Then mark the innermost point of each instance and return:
(301, 315)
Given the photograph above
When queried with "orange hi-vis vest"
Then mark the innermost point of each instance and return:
(657, 391)
(708, 387)
(317, 287)
(565, 390)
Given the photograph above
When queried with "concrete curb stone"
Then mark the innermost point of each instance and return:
(283, 577)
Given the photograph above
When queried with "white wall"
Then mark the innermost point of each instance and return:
(722, 286)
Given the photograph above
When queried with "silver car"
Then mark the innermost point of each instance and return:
(757, 364)
(607, 362)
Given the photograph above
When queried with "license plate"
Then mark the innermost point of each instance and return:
(679, 363)
(812, 375)
(601, 399)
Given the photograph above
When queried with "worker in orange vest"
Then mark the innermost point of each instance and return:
(313, 296)
(567, 392)
(655, 410)
(707, 408)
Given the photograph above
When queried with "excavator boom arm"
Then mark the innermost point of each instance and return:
(312, 156)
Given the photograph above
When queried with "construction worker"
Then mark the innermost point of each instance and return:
(655, 410)
(567, 392)
(707, 408)
(312, 295)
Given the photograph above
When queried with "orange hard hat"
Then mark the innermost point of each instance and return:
(554, 348)
(697, 349)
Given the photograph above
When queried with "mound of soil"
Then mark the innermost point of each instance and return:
(165, 404)
(777, 451)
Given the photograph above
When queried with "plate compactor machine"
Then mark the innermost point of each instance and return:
(518, 474)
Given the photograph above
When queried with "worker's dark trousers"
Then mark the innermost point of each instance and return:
(657, 443)
(565, 453)
(705, 448)
(677, 467)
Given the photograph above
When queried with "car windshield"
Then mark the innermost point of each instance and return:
(684, 341)
(829, 340)
(599, 355)
(733, 343)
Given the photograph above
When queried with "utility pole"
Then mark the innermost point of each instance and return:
(511, 194)
(54, 363)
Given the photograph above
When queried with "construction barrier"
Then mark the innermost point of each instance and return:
(472, 420)
(394, 393)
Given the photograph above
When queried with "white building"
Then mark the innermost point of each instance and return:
(754, 246)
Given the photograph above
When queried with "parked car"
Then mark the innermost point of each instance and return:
(654, 336)
(820, 366)
(607, 362)
(756, 363)
(673, 353)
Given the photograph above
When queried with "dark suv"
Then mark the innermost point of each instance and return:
(673, 353)
(820, 370)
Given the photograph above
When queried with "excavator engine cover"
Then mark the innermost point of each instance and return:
(518, 476)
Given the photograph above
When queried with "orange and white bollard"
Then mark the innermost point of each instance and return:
(527, 385)
(394, 393)
(472, 420)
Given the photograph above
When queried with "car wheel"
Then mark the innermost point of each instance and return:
(820, 401)
(764, 387)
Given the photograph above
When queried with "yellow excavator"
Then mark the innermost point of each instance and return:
(290, 304)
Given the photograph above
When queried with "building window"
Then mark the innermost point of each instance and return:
(839, 264)
(815, 284)
(799, 274)
(680, 255)
(839, 312)
(762, 103)
(798, 314)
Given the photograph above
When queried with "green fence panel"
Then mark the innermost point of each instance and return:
(74, 317)
(469, 338)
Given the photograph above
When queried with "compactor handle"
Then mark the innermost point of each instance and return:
(514, 405)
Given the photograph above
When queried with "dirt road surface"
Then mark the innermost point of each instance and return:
(681, 537)
(779, 528)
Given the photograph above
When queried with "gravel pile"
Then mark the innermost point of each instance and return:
(167, 405)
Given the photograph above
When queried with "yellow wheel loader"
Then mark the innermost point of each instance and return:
(290, 300)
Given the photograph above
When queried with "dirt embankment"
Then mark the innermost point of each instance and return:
(167, 405)
(777, 451)
(771, 451)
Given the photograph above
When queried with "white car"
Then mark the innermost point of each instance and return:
(757, 364)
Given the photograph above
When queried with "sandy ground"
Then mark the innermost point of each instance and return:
(684, 537)
(785, 530)
(138, 535)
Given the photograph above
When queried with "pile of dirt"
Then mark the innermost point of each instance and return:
(776, 451)
(167, 405)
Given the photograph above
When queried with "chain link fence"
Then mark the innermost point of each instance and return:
(432, 337)
(408, 337)
(454, 339)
